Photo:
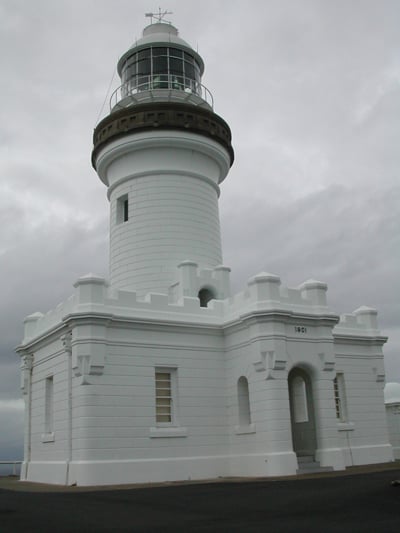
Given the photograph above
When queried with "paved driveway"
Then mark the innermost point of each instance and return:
(349, 503)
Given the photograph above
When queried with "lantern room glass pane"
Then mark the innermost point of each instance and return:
(144, 66)
(160, 65)
(144, 54)
(189, 71)
(176, 66)
(188, 58)
(175, 52)
(159, 51)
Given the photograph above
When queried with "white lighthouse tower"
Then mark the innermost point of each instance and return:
(159, 373)
(162, 152)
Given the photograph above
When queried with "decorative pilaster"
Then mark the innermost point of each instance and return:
(274, 365)
(329, 452)
(26, 368)
(67, 342)
(26, 387)
(88, 351)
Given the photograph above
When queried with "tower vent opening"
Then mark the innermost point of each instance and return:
(205, 295)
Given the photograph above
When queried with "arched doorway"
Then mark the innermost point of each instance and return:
(302, 413)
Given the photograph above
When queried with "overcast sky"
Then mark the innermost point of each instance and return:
(311, 91)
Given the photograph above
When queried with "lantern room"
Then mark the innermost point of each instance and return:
(160, 60)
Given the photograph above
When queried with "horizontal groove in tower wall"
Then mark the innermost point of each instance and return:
(133, 258)
(167, 243)
(154, 251)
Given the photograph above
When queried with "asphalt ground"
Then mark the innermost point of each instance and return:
(353, 502)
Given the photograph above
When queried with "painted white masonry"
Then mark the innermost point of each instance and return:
(118, 340)
(392, 404)
(171, 182)
(102, 347)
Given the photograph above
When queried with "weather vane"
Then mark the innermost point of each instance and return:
(159, 17)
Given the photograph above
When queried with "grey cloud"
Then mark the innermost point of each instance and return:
(337, 234)
(11, 434)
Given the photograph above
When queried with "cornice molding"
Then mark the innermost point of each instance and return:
(161, 116)
(353, 338)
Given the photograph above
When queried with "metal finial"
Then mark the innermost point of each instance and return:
(159, 17)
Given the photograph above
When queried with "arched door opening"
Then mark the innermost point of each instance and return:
(205, 295)
(302, 413)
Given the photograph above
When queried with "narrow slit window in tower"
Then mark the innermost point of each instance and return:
(122, 209)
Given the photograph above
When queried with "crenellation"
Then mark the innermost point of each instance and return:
(362, 321)
(264, 287)
(367, 317)
(293, 296)
(314, 291)
(31, 325)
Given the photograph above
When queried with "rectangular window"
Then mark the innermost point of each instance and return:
(340, 397)
(165, 388)
(122, 209)
(49, 406)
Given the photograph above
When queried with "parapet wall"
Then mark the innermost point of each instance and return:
(263, 293)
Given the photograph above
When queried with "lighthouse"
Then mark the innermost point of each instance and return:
(162, 152)
(160, 373)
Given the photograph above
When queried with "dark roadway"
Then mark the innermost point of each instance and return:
(347, 503)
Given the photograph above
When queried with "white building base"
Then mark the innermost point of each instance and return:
(263, 465)
(333, 457)
(52, 472)
(250, 376)
(368, 455)
(89, 473)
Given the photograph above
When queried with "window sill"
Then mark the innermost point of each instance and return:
(168, 432)
(48, 437)
(244, 430)
(345, 426)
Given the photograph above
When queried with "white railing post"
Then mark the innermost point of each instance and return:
(14, 465)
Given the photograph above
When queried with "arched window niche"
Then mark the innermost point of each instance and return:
(205, 295)
(302, 415)
(244, 412)
(300, 399)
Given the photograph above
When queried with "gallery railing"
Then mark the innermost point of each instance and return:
(157, 82)
(14, 466)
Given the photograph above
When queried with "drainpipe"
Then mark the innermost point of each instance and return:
(66, 340)
(349, 447)
(26, 386)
